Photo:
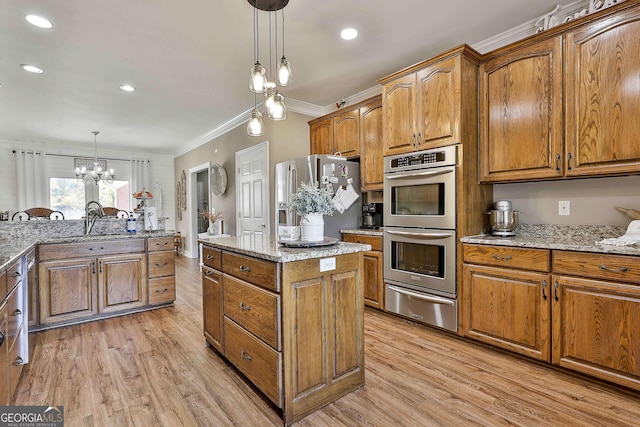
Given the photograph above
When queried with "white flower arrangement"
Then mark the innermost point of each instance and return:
(309, 198)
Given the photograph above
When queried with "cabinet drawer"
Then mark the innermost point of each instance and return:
(14, 314)
(14, 275)
(212, 257)
(620, 268)
(160, 244)
(162, 289)
(89, 249)
(259, 362)
(162, 264)
(507, 256)
(15, 364)
(254, 309)
(374, 241)
(253, 270)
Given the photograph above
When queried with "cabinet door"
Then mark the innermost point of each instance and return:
(596, 329)
(122, 282)
(371, 147)
(602, 102)
(373, 284)
(321, 135)
(521, 114)
(508, 309)
(399, 115)
(67, 290)
(212, 307)
(439, 104)
(346, 133)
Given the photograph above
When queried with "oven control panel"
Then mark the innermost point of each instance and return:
(445, 156)
(418, 159)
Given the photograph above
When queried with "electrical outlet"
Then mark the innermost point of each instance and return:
(564, 207)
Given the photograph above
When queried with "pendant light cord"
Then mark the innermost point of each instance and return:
(282, 12)
(256, 51)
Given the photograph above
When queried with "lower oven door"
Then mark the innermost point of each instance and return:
(424, 259)
(422, 307)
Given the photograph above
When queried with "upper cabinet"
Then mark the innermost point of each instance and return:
(564, 103)
(321, 135)
(371, 146)
(338, 133)
(423, 105)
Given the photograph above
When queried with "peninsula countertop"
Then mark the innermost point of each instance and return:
(364, 231)
(266, 247)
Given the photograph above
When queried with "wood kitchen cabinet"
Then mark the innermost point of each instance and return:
(122, 282)
(321, 135)
(507, 302)
(339, 133)
(373, 281)
(212, 294)
(563, 103)
(161, 270)
(425, 105)
(371, 146)
(5, 398)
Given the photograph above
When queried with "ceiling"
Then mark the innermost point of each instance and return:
(190, 60)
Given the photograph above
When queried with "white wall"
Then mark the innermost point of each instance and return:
(161, 170)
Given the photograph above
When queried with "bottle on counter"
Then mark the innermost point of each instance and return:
(131, 223)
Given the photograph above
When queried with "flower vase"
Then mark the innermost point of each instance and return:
(312, 228)
(213, 229)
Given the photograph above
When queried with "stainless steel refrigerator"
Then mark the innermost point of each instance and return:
(331, 172)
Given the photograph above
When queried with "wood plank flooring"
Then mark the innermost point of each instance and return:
(153, 369)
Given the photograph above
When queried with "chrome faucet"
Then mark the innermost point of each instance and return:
(92, 211)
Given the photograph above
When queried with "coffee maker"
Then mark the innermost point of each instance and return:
(372, 215)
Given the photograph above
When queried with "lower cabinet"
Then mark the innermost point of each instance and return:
(373, 280)
(122, 282)
(582, 314)
(212, 304)
(5, 397)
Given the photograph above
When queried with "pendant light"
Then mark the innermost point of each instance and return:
(257, 77)
(255, 127)
(284, 69)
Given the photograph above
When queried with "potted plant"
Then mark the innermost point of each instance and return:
(311, 202)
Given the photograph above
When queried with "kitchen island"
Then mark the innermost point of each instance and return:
(290, 320)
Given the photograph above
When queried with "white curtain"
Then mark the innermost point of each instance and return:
(31, 179)
(140, 177)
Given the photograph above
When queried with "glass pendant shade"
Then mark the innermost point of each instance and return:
(278, 111)
(284, 72)
(255, 127)
(257, 78)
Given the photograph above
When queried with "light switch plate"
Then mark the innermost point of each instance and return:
(327, 264)
(564, 207)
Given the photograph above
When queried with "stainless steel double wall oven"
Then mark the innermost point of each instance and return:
(420, 236)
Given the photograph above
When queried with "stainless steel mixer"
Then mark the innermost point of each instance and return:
(502, 219)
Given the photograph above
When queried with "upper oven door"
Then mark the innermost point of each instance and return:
(423, 198)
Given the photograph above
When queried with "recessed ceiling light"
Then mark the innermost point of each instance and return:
(349, 33)
(127, 88)
(38, 21)
(32, 68)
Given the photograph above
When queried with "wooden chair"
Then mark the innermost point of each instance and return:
(118, 213)
(35, 213)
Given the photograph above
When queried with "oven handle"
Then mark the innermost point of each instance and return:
(417, 174)
(429, 298)
(421, 235)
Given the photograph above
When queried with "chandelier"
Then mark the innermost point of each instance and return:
(98, 174)
(259, 82)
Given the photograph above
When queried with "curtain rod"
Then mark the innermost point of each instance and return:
(76, 157)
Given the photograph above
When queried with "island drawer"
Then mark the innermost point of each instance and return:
(212, 257)
(161, 264)
(96, 248)
(259, 362)
(619, 268)
(14, 314)
(508, 256)
(3, 286)
(162, 289)
(160, 244)
(253, 270)
(374, 241)
(253, 308)
(16, 365)
(14, 275)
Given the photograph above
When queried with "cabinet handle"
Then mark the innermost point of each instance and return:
(245, 269)
(245, 356)
(244, 307)
(498, 257)
(210, 257)
(93, 267)
(544, 287)
(161, 265)
(158, 291)
(18, 312)
(558, 157)
(619, 270)
(569, 161)
(1, 338)
(209, 272)
(19, 361)
(162, 244)
(16, 274)
(555, 290)
(100, 267)
(419, 139)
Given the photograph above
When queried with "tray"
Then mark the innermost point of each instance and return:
(328, 241)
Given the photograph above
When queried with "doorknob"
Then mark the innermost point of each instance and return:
(263, 225)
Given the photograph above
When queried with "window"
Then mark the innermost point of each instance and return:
(67, 196)
(116, 194)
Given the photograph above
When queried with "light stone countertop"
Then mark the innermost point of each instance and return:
(581, 238)
(364, 231)
(266, 247)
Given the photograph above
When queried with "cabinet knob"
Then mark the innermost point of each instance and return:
(18, 312)
(244, 269)
(19, 361)
(244, 307)
(245, 355)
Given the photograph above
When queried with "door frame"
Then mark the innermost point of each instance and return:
(264, 145)
(192, 206)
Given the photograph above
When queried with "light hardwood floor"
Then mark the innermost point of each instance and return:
(153, 369)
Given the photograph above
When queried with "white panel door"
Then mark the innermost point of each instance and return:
(252, 190)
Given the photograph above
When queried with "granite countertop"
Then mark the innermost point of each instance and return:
(581, 238)
(266, 247)
(364, 231)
